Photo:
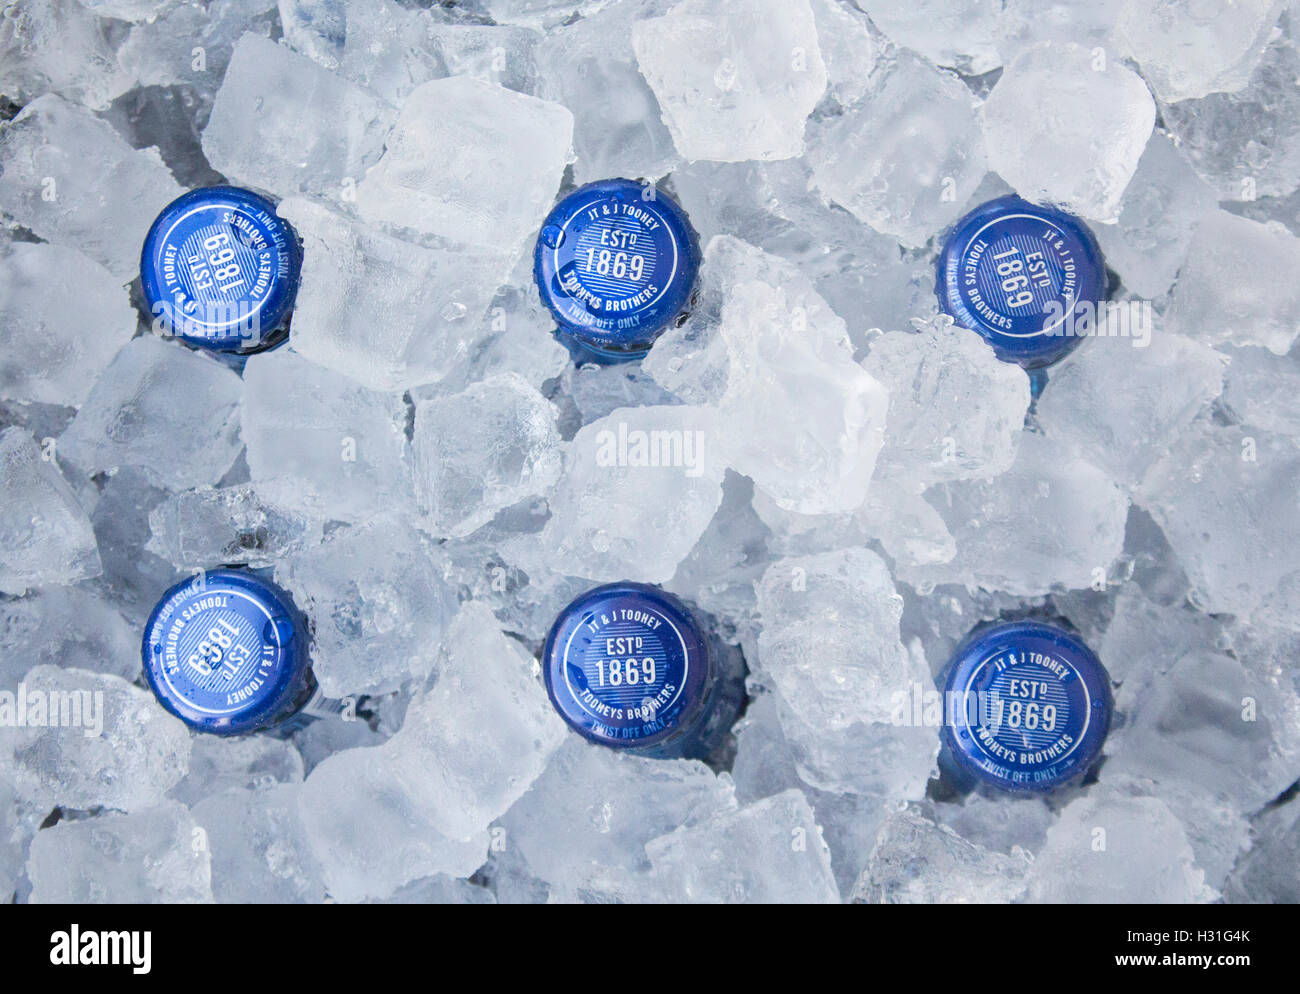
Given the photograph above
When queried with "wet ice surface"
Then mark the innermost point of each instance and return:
(846, 481)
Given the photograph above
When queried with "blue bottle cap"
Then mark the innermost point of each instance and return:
(1027, 706)
(1018, 273)
(626, 665)
(226, 652)
(616, 263)
(221, 269)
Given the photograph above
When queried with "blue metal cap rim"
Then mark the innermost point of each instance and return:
(582, 653)
(256, 678)
(1011, 270)
(1025, 663)
(220, 269)
(615, 267)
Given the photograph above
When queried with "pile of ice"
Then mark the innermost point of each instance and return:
(430, 476)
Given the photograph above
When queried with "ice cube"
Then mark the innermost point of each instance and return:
(830, 641)
(544, 13)
(153, 856)
(388, 313)
(584, 823)
(103, 212)
(378, 601)
(1066, 125)
(90, 739)
(284, 124)
(1236, 285)
(1120, 406)
(59, 342)
(771, 851)
(1161, 207)
(955, 411)
(345, 443)
(169, 411)
(1053, 520)
(589, 67)
(907, 158)
(734, 81)
(69, 627)
(59, 46)
(799, 416)
(848, 47)
(190, 44)
(251, 524)
(259, 852)
(638, 489)
(1188, 49)
(220, 763)
(1246, 144)
(46, 535)
(1225, 497)
(513, 453)
(916, 861)
(1110, 846)
(1261, 390)
(961, 35)
(471, 162)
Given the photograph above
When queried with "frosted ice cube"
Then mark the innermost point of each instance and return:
(1261, 389)
(1052, 520)
(916, 861)
(1225, 497)
(59, 46)
(962, 35)
(830, 641)
(346, 443)
(584, 823)
(1162, 205)
(770, 851)
(589, 67)
(638, 489)
(1120, 407)
(162, 408)
(514, 452)
(471, 162)
(543, 13)
(46, 535)
(1236, 285)
(103, 212)
(421, 803)
(798, 417)
(1111, 847)
(1246, 144)
(492, 53)
(848, 47)
(1065, 125)
(190, 44)
(282, 123)
(955, 410)
(318, 28)
(378, 601)
(91, 739)
(906, 159)
(1025, 23)
(386, 312)
(221, 763)
(252, 524)
(1188, 49)
(69, 627)
(147, 857)
(371, 830)
(259, 853)
(734, 81)
(58, 341)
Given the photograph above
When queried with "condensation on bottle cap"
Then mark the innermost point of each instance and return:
(1022, 276)
(616, 263)
(1026, 706)
(225, 651)
(220, 269)
(626, 665)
